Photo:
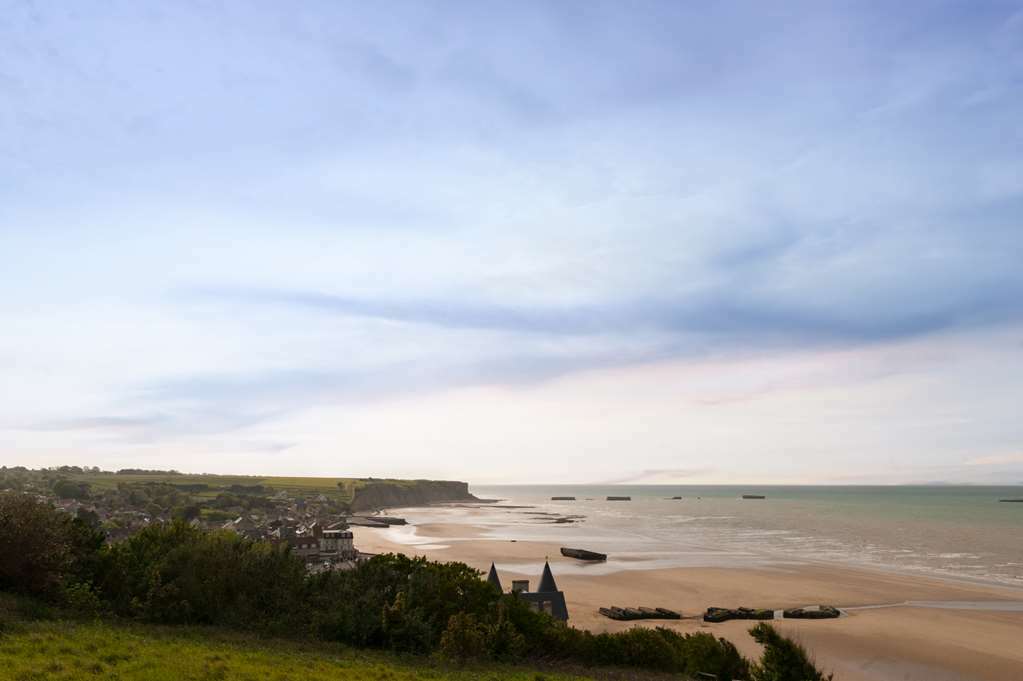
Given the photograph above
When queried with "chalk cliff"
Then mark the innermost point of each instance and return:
(390, 494)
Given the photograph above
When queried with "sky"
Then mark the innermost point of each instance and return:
(515, 242)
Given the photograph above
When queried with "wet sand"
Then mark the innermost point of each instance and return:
(874, 644)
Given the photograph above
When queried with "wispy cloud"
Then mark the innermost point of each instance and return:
(123, 424)
(728, 311)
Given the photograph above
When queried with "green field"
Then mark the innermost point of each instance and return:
(37, 651)
(342, 489)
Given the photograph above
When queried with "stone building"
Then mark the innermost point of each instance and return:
(547, 598)
(338, 544)
(306, 547)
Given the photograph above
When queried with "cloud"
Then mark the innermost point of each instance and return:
(123, 424)
(726, 312)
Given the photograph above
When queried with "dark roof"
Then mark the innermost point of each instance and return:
(493, 578)
(547, 584)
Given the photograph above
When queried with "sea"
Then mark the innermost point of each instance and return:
(961, 532)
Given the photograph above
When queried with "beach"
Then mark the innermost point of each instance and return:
(950, 629)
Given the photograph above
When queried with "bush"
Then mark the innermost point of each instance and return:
(783, 658)
(464, 639)
(467, 638)
(177, 574)
(398, 602)
(705, 653)
(69, 489)
(17, 608)
(41, 547)
(82, 598)
(504, 640)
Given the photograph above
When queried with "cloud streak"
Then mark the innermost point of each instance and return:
(728, 312)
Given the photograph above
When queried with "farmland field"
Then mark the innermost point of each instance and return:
(341, 489)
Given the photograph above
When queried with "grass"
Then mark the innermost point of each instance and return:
(342, 489)
(76, 651)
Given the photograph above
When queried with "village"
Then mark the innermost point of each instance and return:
(315, 525)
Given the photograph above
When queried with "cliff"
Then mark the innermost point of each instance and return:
(374, 495)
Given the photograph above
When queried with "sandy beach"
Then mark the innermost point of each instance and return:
(969, 632)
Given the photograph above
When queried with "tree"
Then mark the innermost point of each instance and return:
(464, 639)
(187, 513)
(69, 489)
(42, 549)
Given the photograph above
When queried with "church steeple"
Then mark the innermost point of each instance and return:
(547, 584)
(493, 578)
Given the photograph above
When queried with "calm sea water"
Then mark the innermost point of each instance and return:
(952, 531)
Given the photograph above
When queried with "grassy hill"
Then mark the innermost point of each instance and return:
(61, 650)
(341, 489)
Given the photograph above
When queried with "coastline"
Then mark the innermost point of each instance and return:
(939, 641)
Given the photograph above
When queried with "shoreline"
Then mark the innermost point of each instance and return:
(882, 636)
(630, 561)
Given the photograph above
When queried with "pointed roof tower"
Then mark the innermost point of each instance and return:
(547, 584)
(493, 578)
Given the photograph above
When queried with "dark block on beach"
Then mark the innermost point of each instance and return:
(583, 554)
(718, 615)
(755, 614)
(725, 614)
(562, 498)
(640, 613)
(824, 612)
(619, 498)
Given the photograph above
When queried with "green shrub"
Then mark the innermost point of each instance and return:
(177, 574)
(707, 654)
(397, 602)
(82, 598)
(41, 547)
(464, 639)
(504, 640)
(16, 608)
(783, 659)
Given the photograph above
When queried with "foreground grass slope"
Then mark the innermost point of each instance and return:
(73, 651)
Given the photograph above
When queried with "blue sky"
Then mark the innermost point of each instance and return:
(719, 242)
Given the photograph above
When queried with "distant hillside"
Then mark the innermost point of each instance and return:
(362, 493)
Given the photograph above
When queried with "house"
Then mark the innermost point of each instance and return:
(547, 598)
(339, 544)
(306, 547)
(241, 524)
(245, 526)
